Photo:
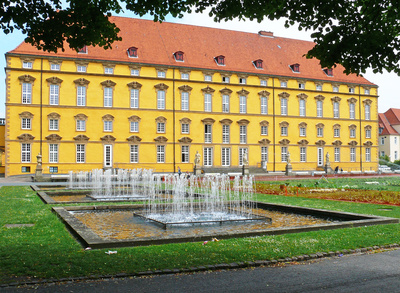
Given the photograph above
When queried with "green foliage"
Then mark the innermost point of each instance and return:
(357, 34)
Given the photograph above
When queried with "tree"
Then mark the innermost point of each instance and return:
(358, 34)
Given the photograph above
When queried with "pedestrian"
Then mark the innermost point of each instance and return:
(179, 171)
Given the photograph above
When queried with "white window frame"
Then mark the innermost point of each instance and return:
(161, 100)
(318, 87)
(320, 109)
(264, 130)
(352, 154)
(242, 104)
(284, 130)
(81, 68)
(208, 156)
(264, 105)
(26, 152)
(80, 125)
(367, 133)
(303, 154)
(320, 132)
(367, 154)
(134, 153)
(335, 89)
(53, 124)
(242, 80)
(352, 109)
(302, 107)
(161, 74)
(207, 102)
(135, 72)
(108, 70)
(225, 79)
(337, 154)
(302, 131)
(185, 154)
(27, 64)
(134, 126)
(336, 132)
(80, 153)
(225, 103)
(160, 127)
(108, 97)
(54, 66)
(134, 95)
(284, 109)
(336, 110)
(185, 75)
(243, 134)
(81, 95)
(225, 157)
(26, 93)
(160, 153)
(367, 111)
(107, 126)
(26, 123)
(226, 129)
(185, 128)
(184, 101)
(53, 153)
(352, 133)
(263, 82)
(207, 133)
(283, 83)
(207, 77)
(54, 91)
(284, 152)
(264, 154)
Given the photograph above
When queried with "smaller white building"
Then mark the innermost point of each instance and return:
(389, 134)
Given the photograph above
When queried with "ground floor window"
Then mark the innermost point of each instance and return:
(284, 151)
(80, 153)
(368, 155)
(53, 153)
(242, 152)
(160, 154)
(25, 153)
(185, 154)
(303, 154)
(207, 157)
(264, 154)
(337, 154)
(226, 157)
(352, 154)
(134, 153)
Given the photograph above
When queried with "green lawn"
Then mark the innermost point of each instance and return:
(47, 250)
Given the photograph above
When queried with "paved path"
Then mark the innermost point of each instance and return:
(377, 272)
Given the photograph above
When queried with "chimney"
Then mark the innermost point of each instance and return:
(266, 34)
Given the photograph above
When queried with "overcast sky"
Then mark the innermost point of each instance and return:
(389, 83)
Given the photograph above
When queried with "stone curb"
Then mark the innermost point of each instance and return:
(223, 266)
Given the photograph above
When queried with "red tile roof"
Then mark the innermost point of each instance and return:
(387, 128)
(393, 116)
(156, 43)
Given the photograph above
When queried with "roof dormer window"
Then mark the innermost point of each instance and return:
(220, 60)
(258, 64)
(83, 50)
(295, 67)
(133, 52)
(178, 56)
(328, 71)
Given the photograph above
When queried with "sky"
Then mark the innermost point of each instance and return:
(389, 83)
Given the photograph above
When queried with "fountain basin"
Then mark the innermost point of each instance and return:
(115, 226)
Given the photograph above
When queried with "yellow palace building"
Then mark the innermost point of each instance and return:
(168, 91)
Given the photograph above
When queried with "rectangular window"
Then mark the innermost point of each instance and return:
(283, 83)
(207, 77)
(108, 126)
(303, 154)
(351, 90)
(160, 100)
(80, 125)
(81, 96)
(352, 110)
(184, 75)
(134, 126)
(53, 153)
(185, 101)
(53, 169)
(335, 89)
(226, 157)
(382, 153)
(81, 68)
(320, 112)
(352, 133)
(396, 155)
(25, 153)
(160, 127)
(208, 157)
(207, 103)
(367, 154)
(27, 64)
(263, 82)
(225, 103)
(54, 94)
(185, 128)
(284, 131)
(108, 97)
(161, 74)
(395, 139)
(302, 107)
(284, 154)
(225, 79)
(242, 104)
(80, 153)
(134, 98)
(336, 110)
(367, 133)
(160, 154)
(302, 131)
(243, 134)
(134, 153)
(135, 72)
(367, 109)
(242, 80)
(302, 86)
(336, 132)
(26, 93)
(318, 87)
(382, 140)
(108, 70)
(53, 124)
(26, 123)
(264, 130)
(55, 66)
(284, 106)
(352, 154)
(225, 133)
(366, 91)
(320, 132)
(185, 154)
(207, 133)
(264, 154)
(264, 105)
(337, 154)
(242, 151)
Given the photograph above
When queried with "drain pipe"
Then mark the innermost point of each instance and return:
(173, 117)
(273, 121)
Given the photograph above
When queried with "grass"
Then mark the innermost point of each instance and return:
(47, 250)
